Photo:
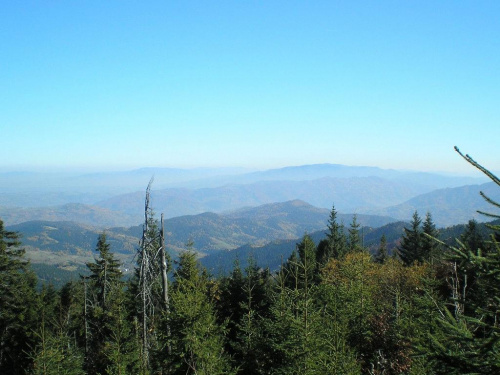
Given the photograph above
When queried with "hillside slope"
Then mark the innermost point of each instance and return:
(63, 242)
(448, 206)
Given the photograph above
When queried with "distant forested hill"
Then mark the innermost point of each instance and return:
(448, 206)
(274, 253)
(72, 244)
(78, 212)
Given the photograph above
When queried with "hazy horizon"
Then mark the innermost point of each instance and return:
(229, 170)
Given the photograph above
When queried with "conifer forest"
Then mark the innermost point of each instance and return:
(331, 308)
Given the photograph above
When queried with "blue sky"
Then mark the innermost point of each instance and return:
(259, 84)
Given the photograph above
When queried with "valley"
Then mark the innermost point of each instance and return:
(225, 214)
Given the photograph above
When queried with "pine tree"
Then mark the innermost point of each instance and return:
(299, 328)
(196, 341)
(249, 344)
(335, 244)
(307, 258)
(410, 249)
(469, 338)
(17, 305)
(430, 247)
(105, 297)
(105, 273)
(472, 237)
(55, 354)
(382, 255)
(355, 242)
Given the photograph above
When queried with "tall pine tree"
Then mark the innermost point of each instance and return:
(469, 338)
(196, 341)
(410, 249)
(335, 244)
(17, 305)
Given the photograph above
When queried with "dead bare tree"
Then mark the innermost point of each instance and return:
(152, 262)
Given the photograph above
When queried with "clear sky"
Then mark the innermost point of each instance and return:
(259, 84)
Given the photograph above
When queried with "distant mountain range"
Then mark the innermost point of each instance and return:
(363, 195)
(348, 194)
(37, 189)
(221, 210)
(447, 206)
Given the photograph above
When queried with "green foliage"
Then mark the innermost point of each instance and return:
(196, 343)
(18, 304)
(411, 244)
(242, 304)
(430, 246)
(467, 337)
(354, 238)
(109, 334)
(55, 355)
(335, 245)
(302, 335)
(419, 242)
(382, 254)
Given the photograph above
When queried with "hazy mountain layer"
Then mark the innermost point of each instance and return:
(36, 189)
(348, 194)
(448, 206)
(81, 213)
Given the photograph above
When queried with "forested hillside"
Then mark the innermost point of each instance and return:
(346, 300)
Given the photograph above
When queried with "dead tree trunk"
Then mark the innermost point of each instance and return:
(146, 278)
(152, 262)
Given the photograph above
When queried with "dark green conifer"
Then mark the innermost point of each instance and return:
(410, 249)
(334, 247)
(18, 303)
(355, 241)
(473, 238)
(382, 254)
(105, 313)
(468, 341)
(196, 341)
(430, 247)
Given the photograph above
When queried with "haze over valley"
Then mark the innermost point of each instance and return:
(220, 211)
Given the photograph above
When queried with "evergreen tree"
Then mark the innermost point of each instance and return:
(335, 244)
(105, 314)
(472, 237)
(105, 273)
(307, 258)
(249, 354)
(410, 249)
(196, 341)
(469, 338)
(430, 247)
(230, 301)
(299, 328)
(18, 302)
(382, 255)
(55, 354)
(355, 242)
